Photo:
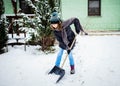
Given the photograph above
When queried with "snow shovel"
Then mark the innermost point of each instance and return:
(59, 70)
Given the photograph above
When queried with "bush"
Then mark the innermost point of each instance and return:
(40, 22)
(3, 34)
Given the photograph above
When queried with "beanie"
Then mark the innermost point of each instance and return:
(54, 18)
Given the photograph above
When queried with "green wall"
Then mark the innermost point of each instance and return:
(9, 7)
(109, 19)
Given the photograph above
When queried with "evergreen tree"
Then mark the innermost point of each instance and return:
(42, 10)
(3, 34)
(2, 9)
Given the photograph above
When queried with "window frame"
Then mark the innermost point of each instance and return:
(94, 13)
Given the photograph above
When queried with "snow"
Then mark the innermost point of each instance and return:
(97, 63)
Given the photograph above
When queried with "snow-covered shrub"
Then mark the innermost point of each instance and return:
(3, 34)
(40, 22)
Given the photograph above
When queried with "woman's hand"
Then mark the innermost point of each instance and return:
(85, 33)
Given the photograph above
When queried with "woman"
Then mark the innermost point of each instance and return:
(65, 37)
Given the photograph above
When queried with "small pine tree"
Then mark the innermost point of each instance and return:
(2, 9)
(3, 34)
(42, 10)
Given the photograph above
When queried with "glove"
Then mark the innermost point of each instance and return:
(85, 33)
(68, 51)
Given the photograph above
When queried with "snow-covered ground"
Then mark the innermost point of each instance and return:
(97, 63)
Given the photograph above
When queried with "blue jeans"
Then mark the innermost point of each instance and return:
(59, 56)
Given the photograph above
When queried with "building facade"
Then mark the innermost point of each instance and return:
(100, 15)
(94, 15)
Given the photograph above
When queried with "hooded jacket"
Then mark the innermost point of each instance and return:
(69, 35)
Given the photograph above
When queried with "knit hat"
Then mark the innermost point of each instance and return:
(54, 18)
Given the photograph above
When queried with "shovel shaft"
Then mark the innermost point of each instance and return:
(64, 60)
(69, 52)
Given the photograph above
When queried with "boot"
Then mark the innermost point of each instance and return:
(72, 69)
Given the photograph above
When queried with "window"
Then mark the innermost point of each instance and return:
(94, 7)
(25, 8)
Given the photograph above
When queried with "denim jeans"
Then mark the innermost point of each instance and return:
(59, 56)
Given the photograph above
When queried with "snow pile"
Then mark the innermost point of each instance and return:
(96, 58)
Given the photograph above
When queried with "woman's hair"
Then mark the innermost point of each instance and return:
(58, 28)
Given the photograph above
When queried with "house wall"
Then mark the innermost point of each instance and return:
(109, 19)
(9, 7)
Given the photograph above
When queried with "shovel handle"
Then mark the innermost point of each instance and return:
(69, 52)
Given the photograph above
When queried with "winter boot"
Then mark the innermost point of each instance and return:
(72, 69)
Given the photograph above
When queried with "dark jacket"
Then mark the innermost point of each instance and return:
(70, 34)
